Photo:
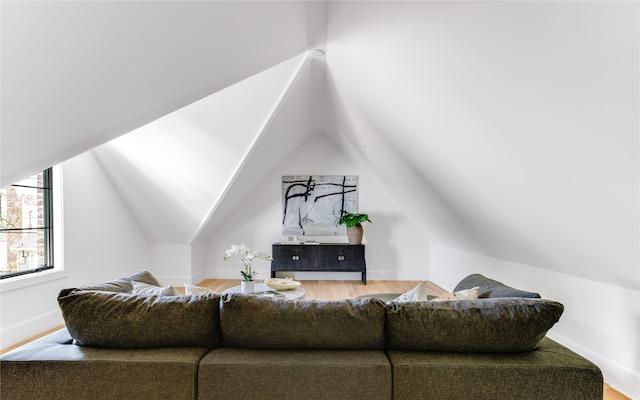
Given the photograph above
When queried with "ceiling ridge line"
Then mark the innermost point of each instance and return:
(267, 122)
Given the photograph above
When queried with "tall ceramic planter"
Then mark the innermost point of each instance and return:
(247, 286)
(354, 234)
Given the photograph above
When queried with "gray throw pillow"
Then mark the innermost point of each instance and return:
(418, 293)
(490, 288)
(123, 320)
(268, 323)
(124, 284)
(152, 290)
(483, 325)
(191, 289)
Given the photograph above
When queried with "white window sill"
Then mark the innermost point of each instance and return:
(37, 278)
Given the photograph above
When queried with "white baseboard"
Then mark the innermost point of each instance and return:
(619, 377)
(197, 278)
(34, 326)
(175, 280)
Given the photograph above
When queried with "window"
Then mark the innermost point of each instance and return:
(26, 226)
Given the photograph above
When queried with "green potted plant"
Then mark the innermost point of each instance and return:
(354, 221)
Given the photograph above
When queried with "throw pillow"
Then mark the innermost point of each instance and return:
(467, 294)
(191, 289)
(418, 293)
(123, 284)
(483, 325)
(124, 320)
(141, 288)
(490, 288)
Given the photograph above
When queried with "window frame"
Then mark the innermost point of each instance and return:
(49, 228)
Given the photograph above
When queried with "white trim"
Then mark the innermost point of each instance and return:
(36, 278)
(196, 278)
(58, 220)
(14, 334)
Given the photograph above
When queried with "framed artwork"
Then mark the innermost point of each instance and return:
(312, 204)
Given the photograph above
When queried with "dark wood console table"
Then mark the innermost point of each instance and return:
(329, 257)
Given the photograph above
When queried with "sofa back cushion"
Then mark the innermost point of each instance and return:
(124, 320)
(483, 325)
(489, 288)
(266, 323)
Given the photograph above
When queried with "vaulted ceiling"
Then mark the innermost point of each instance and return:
(78, 74)
(509, 129)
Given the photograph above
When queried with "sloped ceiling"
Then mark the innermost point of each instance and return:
(505, 128)
(76, 74)
(515, 123)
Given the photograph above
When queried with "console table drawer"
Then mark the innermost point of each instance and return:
(322, 257)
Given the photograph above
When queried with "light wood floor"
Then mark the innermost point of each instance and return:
(334, 290)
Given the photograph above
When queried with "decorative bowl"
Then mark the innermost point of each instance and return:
(281, 284)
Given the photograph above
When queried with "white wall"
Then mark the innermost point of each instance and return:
(600, 321)
(171, 263)
(198, 262)
(395, 247)
(101, 242)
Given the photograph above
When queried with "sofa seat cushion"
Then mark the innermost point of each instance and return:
(489, 288)
(483, 325)
(124, 320)
(53, 368)
(551, 372)
(254, 322)
(241, 374)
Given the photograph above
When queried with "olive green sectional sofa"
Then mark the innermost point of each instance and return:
(120, 345)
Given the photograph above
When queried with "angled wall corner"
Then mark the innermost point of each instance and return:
(172, 170)
(286, 125)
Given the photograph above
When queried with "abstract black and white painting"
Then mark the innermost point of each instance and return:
(312, 204)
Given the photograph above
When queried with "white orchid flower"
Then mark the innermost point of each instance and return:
(247, 257)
